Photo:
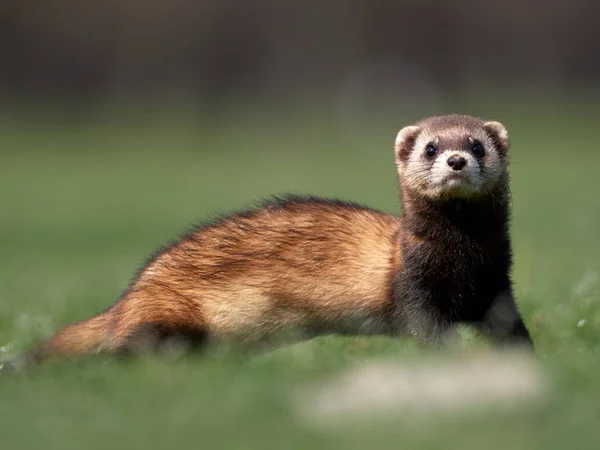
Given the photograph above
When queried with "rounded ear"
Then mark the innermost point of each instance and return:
(405, 141)
(498, 134)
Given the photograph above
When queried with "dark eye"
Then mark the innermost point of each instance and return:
(477, 149)
(430, 151)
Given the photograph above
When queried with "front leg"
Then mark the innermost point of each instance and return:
(417, 313)
(503, 323)
(426, 327)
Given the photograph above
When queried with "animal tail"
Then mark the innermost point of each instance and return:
(86, 337)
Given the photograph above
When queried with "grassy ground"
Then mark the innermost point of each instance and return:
(81, 207)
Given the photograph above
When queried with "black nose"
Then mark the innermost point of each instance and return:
(457, 162)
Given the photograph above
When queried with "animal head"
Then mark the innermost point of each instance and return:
(455, 156)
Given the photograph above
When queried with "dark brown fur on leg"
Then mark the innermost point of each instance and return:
(503, 323)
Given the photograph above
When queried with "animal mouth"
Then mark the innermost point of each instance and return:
(455, 179)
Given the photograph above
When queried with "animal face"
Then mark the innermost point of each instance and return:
(450, 157)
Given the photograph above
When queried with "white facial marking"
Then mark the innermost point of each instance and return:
(461, 182)
(435, 178)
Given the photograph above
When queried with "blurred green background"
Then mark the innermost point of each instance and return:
(123, 123)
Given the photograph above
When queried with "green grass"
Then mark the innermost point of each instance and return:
(82, 205)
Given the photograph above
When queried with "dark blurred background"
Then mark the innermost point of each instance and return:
(210, 53)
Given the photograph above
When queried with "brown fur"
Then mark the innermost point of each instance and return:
(305, 264)
(309, 264)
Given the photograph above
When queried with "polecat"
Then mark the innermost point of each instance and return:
(326, 266)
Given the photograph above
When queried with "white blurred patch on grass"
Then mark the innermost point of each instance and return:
(6, 348)
(586, 285)
(5, 351)
(27, 323)
(426, 388)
